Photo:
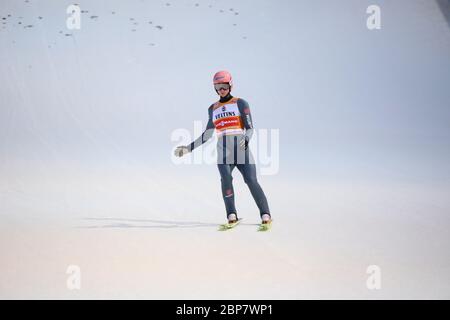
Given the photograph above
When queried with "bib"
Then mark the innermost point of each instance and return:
(227, 118)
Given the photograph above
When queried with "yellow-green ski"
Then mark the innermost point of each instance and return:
(228, 226)
(265, 226)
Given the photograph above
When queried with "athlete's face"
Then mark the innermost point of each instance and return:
(224, 92)
(222, 88)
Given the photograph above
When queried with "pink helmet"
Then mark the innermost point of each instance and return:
(223, 77)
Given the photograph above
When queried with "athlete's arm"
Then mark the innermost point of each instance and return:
(246, 117)
(206, 135)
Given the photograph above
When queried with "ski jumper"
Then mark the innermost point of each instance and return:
(230, 117)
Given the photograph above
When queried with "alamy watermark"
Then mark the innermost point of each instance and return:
(373, 21)
(373, 282)
(74, 280)
(263, 148)
(74, 20)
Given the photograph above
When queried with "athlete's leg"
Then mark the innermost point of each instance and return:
(227, 187)
(248, 171)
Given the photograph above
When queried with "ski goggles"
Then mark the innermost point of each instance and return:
(222, 86)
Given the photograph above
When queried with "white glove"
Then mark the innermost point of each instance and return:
(181, 151)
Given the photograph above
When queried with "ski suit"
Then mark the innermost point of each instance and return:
(230, 117)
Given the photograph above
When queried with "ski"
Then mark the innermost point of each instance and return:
(228, 226)
(265, 226)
